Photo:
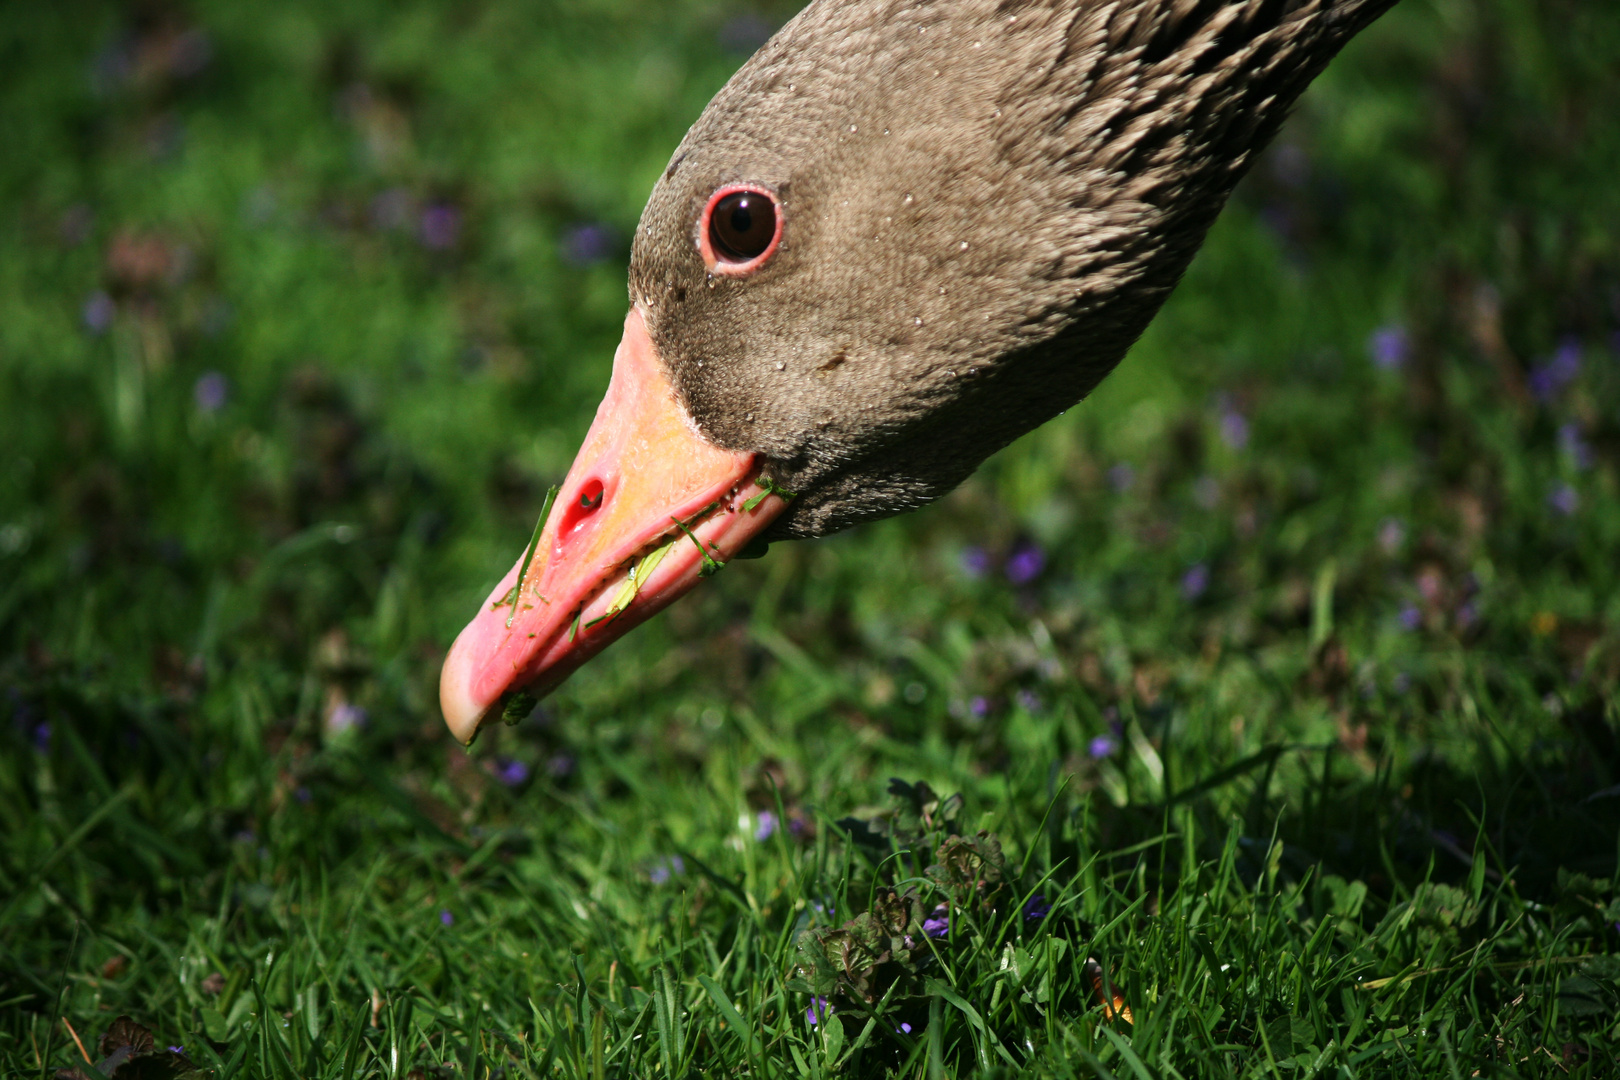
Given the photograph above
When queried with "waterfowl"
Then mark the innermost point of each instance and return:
(902, 235)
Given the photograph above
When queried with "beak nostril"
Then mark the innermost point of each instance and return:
(590, 496)
(589, 500)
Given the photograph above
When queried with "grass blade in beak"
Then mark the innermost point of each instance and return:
(528, 556)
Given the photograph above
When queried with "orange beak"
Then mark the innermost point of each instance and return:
(647, 510)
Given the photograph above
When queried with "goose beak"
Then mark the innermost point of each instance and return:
(648, 509)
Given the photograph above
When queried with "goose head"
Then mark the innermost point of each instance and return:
(901, 236)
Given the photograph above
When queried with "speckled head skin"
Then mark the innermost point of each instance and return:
(984, 203)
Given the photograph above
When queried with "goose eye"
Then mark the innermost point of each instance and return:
(741, 227)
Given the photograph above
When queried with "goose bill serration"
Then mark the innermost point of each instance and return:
(979, 205)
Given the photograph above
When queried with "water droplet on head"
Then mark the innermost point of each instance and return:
(964, 245)
(780, 365)
(852, 128)
(908, 200)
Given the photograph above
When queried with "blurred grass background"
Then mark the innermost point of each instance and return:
(302, 308)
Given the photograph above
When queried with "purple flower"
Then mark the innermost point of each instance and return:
(1028, 700)
(1025, 563)
(1037, 908)
(904, 1028)
(303, 795)
(1573, 446)
(1391, 535)
(1389, 347)
(345, 717)
(1195, 581)
(1121, 477)
(1467, 616)
(975, 561)
(1234, 428)
(1564, 499)
(979, 707)
(938, 924)
(1102, 746)
(1410, 617)
(177, 1049)
(98, 312)
(445, 918)
(210, 392)
(42, 737)
(820, 1008)
(766, 827)
(1546, 380)
(665, 868)
(588, 243)
(742, 34)
(440, 227)
(559, 766)
(512, 772)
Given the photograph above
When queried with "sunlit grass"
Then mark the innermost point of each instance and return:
(1281, 671)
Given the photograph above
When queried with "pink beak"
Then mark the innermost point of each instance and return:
(647, 510)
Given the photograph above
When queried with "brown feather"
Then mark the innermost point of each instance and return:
(985, 202)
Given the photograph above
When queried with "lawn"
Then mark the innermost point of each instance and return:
(1256, 717)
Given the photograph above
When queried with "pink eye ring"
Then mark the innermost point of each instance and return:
(741, 227)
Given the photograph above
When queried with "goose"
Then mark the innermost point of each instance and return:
(903, 234)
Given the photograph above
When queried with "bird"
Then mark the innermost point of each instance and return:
(903, 234)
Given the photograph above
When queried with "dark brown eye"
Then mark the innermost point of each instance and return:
(742, 225)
